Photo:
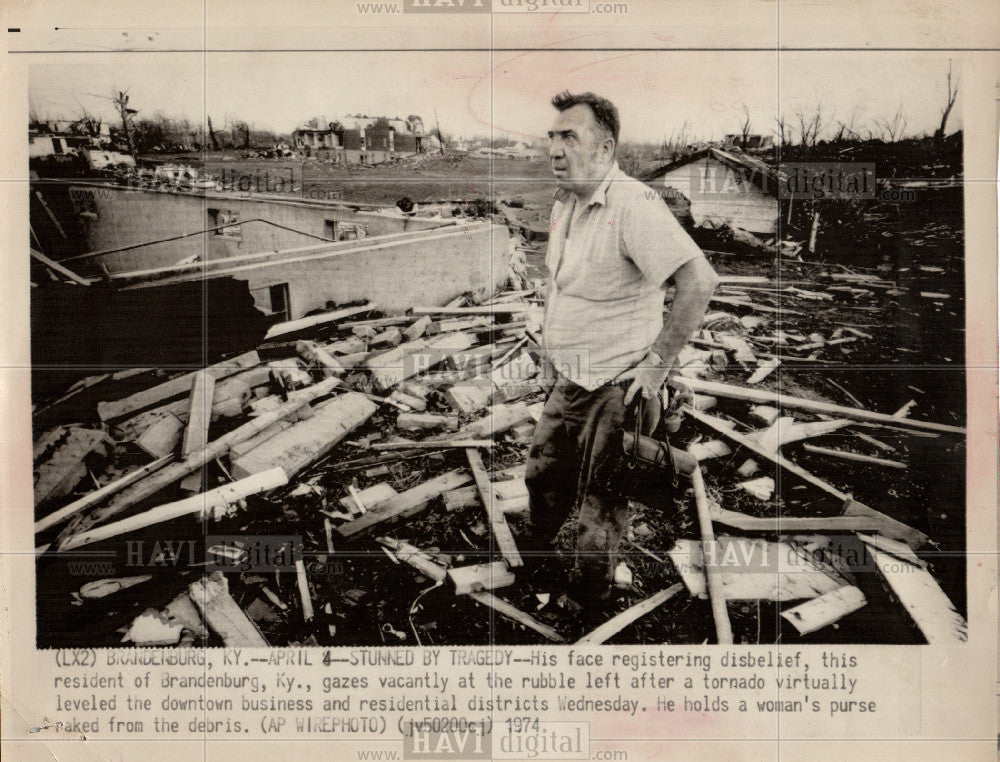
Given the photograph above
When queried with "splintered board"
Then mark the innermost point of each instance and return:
(752, 569)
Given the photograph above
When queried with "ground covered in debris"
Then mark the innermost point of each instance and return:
(422, 395)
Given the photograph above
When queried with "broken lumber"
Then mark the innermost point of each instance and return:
(891, 528)
(786, 430)
(472, 579)
(795, 524)
(620, 621)
(497, 420)
(764, 369)
(211, 595)
(409, 421)
(292, 326)
(423, 563)
(370, 496)
(431, 444)
(789, 574)
(825, 610)
(162, 437)
(102, 588)
(64, 469)
(765, 397)
(205, 504)
(296, 447)
(723, 628)
(486, 309)
(93, 498)
(921, 596)
(176, 471)
(404, 504)
(498, 521)
(316, 355)
(176, 387)
(196, 433)
(406, 360)
(303, 584)
(854, 456)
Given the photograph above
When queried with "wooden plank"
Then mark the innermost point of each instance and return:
(825, 610)
(764, 369)
(162, 438)
(786, 430)
(407, 360)
(295, 448)
(370, 496)
(426, 566)
(497, 420)
(417, 421)
(176, 387)
(176, 471)
(316, 355)
(211, 595)
(472, 579)
(498, 521)
(463, 497)
(723, 627)
(303, 584)
(513, 613)
(620, 621)
(854, 457)
(292, 326)
(486, 309)
(431, 444)
(786, 401)
(795, 525)
(405, 503)
(206, 505)
(58, 267)
(93, 498)
(752, 569)
(921, 596)
(891, 527)
(196, 433)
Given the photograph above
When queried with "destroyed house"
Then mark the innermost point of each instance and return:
(360, 139)
(714, 189)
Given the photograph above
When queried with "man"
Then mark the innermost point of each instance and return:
(613, 245)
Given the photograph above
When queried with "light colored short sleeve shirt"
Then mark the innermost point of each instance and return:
(609, 260)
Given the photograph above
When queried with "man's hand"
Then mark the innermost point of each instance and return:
(647, 378)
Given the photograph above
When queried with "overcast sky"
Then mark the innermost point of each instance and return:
(656, 92)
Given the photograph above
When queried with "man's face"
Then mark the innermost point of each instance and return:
(579, 150)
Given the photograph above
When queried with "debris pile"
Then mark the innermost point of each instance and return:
(359, 478)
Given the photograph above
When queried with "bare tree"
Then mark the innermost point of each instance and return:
(946, 111)
(847, 128)
(892, 130)
(810, 126)
(745, 128)
(780, 131)
(126, 113)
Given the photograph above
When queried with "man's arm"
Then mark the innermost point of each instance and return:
(695, 282)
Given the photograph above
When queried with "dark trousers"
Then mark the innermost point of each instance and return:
(576, 448)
